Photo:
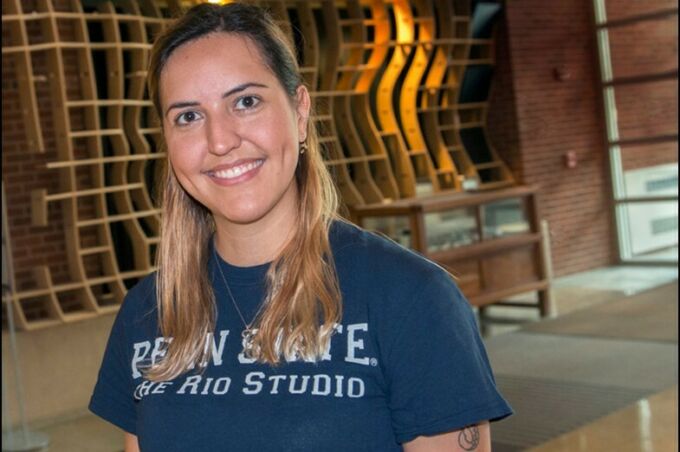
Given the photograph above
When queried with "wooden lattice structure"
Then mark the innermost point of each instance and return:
(386, 77)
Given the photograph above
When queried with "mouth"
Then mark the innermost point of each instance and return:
(235, 171)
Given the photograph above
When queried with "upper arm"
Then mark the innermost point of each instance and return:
(439, 377)
(471, 438)
(113, 397)
(131, 443)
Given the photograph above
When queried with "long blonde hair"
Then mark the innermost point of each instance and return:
(302, 302)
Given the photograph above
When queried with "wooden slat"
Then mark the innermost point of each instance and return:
(105, 160)
(487, 297)
(488, 165)
(116, 218)
(350, 160)
(96, 133)
(108, 103)
(94, 191)
(486, 247)
(94, 17)
(25, 79)
(73, 45)
(94, 250)
(468, 62)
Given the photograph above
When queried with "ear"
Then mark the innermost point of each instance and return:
(303, 108)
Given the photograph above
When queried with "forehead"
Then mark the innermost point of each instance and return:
(234, 44)
(217, 58)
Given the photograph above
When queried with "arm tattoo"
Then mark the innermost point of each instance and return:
(468, 438)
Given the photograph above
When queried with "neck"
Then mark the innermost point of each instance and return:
(247, 245)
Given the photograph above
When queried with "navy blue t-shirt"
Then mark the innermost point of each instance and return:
(406, 360)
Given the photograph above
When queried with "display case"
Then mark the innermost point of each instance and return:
(490, 241)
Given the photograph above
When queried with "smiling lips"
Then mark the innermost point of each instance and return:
(236, 171)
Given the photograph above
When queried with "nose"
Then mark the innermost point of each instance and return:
(222, 136)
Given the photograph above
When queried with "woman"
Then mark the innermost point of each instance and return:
(271, 324)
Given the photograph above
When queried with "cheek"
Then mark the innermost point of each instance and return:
(176, 161)
(278, 128)
(181, 154)
(279, 138)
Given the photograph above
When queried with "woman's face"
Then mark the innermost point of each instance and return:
(232, 132)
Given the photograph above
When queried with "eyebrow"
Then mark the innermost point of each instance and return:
(231, 92)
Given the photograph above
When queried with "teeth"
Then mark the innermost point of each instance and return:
(237, 170)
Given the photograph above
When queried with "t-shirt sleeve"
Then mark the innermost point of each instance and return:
(437, 369)
(113, 396)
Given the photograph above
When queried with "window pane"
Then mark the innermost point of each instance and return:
(653, 230)
(650, 170)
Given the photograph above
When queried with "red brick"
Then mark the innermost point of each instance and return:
(534, 119)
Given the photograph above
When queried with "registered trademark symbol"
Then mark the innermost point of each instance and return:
(374, 362)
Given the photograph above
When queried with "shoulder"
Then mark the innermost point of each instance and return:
(140, 301)
(367, 249)
(384, 265)
(137, 318)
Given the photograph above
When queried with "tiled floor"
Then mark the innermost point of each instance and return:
(626, 279)
(579, 290)
(633, 366)
(87, 433)
(649, 424)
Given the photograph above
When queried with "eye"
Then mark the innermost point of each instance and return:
(247, 102)
(187, 117)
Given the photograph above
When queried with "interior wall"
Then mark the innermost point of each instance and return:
(58, 368)
(549, 60)
(548, 57)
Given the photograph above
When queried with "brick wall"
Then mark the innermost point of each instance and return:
(554, 117)
(24, 169)
(546, 117)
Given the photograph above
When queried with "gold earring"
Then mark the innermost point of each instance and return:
(303, 147)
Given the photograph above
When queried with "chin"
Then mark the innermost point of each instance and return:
(243, 216)
(253, 208)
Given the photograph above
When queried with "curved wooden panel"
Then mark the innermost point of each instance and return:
(411, 165)
(424, 27)
(310, 43)
(329, 58)
(377, 27)
(104, 155)
(352, 64)
(440, 101)
(433, 83)
(18, 52)
(142, 110)
(392, 109)
(470, 114)
(381, 98)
